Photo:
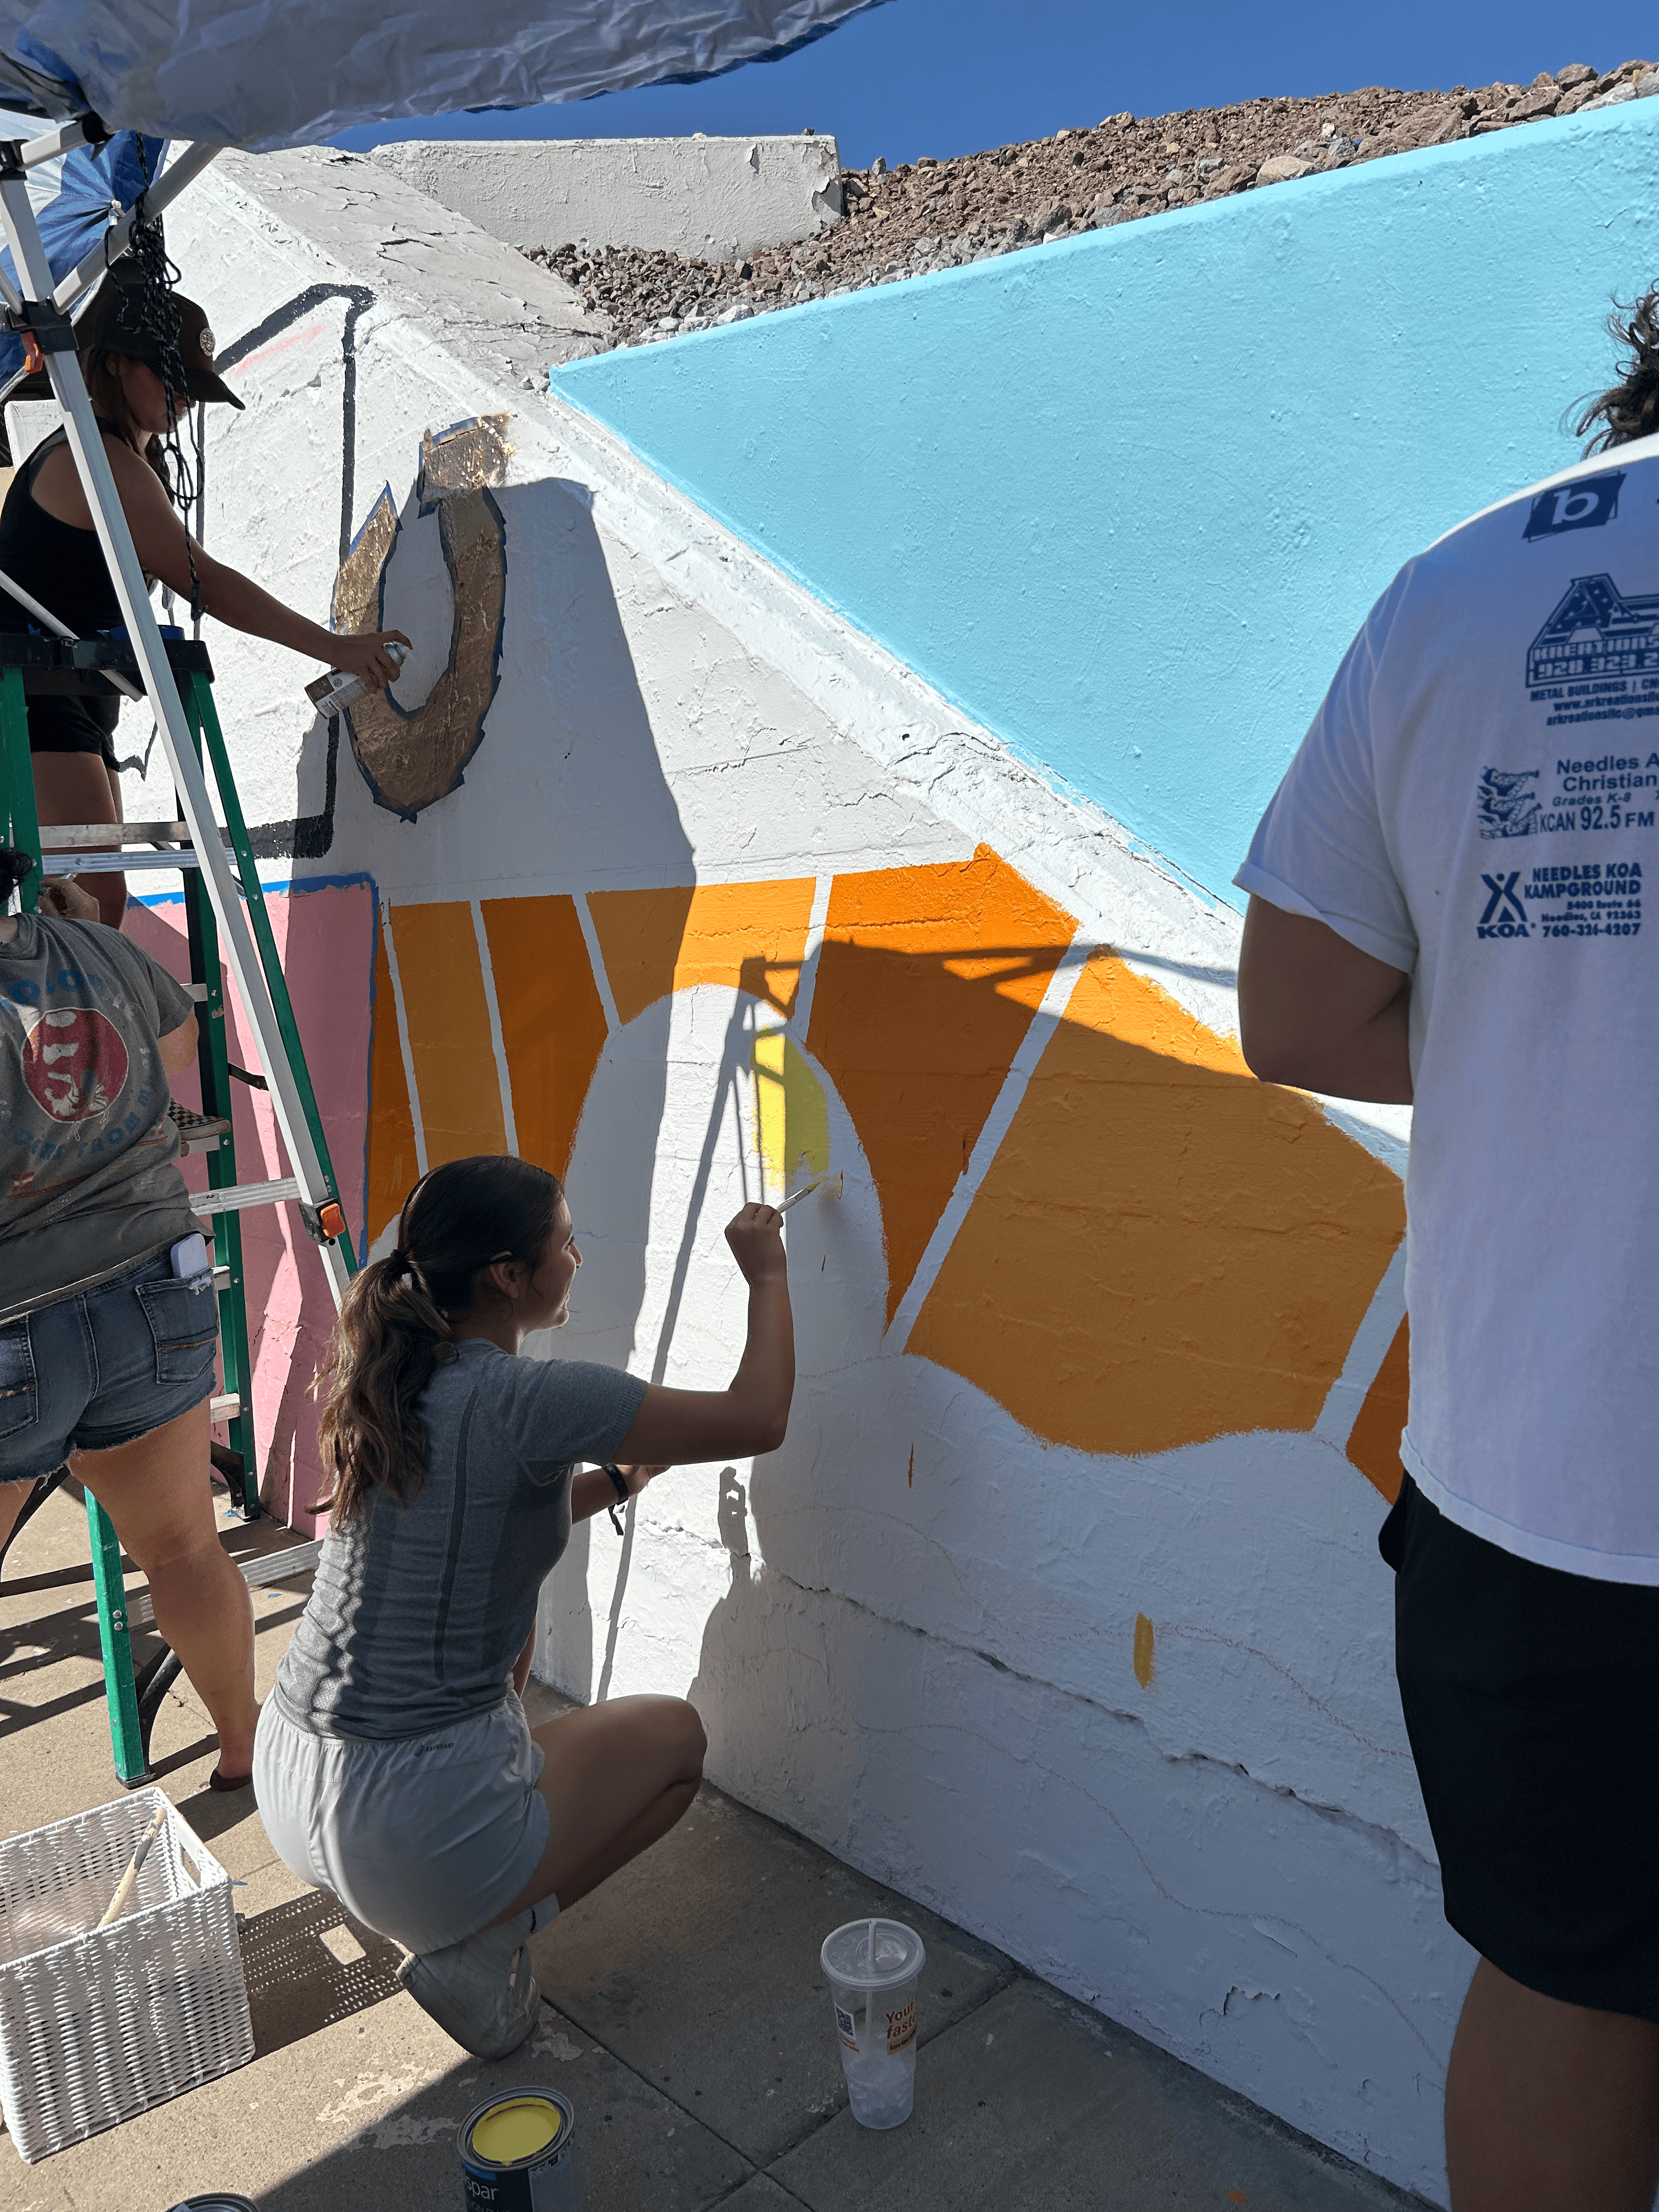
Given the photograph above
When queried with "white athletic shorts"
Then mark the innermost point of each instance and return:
(425, 1838)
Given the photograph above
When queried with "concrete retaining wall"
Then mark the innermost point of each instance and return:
(711, 198)
(1126, 499)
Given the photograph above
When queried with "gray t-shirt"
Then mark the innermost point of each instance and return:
(418, 1610)
(88, 1158)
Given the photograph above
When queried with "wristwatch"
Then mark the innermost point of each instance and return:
(620, 1481)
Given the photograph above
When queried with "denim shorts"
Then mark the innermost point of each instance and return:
(105, 1366)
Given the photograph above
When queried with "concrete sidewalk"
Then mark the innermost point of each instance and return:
(685, 2015)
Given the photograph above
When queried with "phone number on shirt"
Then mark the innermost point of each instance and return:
(1591, 929)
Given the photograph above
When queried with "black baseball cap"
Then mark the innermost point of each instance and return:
(117, 321)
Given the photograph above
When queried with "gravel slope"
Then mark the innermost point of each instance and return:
(937, 215)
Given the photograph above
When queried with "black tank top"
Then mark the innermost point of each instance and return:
(64, 569)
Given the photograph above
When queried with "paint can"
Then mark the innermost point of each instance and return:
(518, 2153)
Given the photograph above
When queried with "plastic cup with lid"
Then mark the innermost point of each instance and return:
(872, 1966)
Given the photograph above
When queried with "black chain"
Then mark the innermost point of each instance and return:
(159, 320)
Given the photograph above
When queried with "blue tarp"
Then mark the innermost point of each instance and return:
(73, 199)
(268, 73)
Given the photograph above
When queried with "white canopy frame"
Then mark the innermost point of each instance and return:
(39, 307)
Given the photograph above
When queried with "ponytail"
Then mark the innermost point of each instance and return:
(1630, 408)
(394, 1332)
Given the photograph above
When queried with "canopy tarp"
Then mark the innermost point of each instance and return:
(268, 73)
(73, 197)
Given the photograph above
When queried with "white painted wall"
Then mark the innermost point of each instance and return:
(711, 198)
(931, 1676)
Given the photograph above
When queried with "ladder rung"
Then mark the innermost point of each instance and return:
(226, 1408)
(108, 864)
(222, 1278)
(271, 1567)
(70, 836)
(277, 1566)
(238, 1196)
(197, 991)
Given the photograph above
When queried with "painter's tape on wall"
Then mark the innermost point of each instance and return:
(1127, 498)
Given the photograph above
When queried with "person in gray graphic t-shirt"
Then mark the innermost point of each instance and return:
(108, 1319)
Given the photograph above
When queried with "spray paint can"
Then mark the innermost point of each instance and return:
(518, 2153)
(328, 694)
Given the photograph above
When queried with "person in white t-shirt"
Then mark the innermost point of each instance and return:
(1446, 909)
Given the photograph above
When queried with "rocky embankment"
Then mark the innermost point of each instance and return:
(930, 215)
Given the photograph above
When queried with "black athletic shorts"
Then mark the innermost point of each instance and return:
(1531, 1703)
(73, 725)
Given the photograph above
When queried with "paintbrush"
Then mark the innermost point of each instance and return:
(830, 1185)
(117, 1904)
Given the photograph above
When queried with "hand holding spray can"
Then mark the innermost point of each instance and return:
(330, 693)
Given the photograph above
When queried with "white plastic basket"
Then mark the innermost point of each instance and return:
(99, 2024)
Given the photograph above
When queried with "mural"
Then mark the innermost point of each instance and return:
(1157, 1250)
(1100, 1341)
(1060, 1608)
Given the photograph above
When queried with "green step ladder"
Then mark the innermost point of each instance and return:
(98, 667)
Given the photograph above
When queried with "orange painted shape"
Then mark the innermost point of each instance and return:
(393, 1170)
(751, 936)
(1145, 1663)
(1163, 1250)
(449, 1040)
(1374, 1444)
(553, 1026)
(926, 983)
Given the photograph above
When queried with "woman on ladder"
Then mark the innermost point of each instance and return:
(108, 1320)
(393, 1763)
(146, 353)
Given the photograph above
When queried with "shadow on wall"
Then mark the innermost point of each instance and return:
(433, 1077)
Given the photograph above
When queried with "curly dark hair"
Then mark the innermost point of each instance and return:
(1629, 409)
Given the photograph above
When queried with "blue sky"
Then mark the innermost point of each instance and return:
(949, 76)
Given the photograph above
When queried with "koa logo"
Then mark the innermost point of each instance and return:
(1504, 914)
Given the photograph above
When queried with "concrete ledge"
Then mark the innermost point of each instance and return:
(711, 197)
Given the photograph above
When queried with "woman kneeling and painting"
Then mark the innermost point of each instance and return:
(394, 1764)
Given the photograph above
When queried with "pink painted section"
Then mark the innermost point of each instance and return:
(326, 940)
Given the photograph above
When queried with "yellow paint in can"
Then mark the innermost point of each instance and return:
(517, 2127)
